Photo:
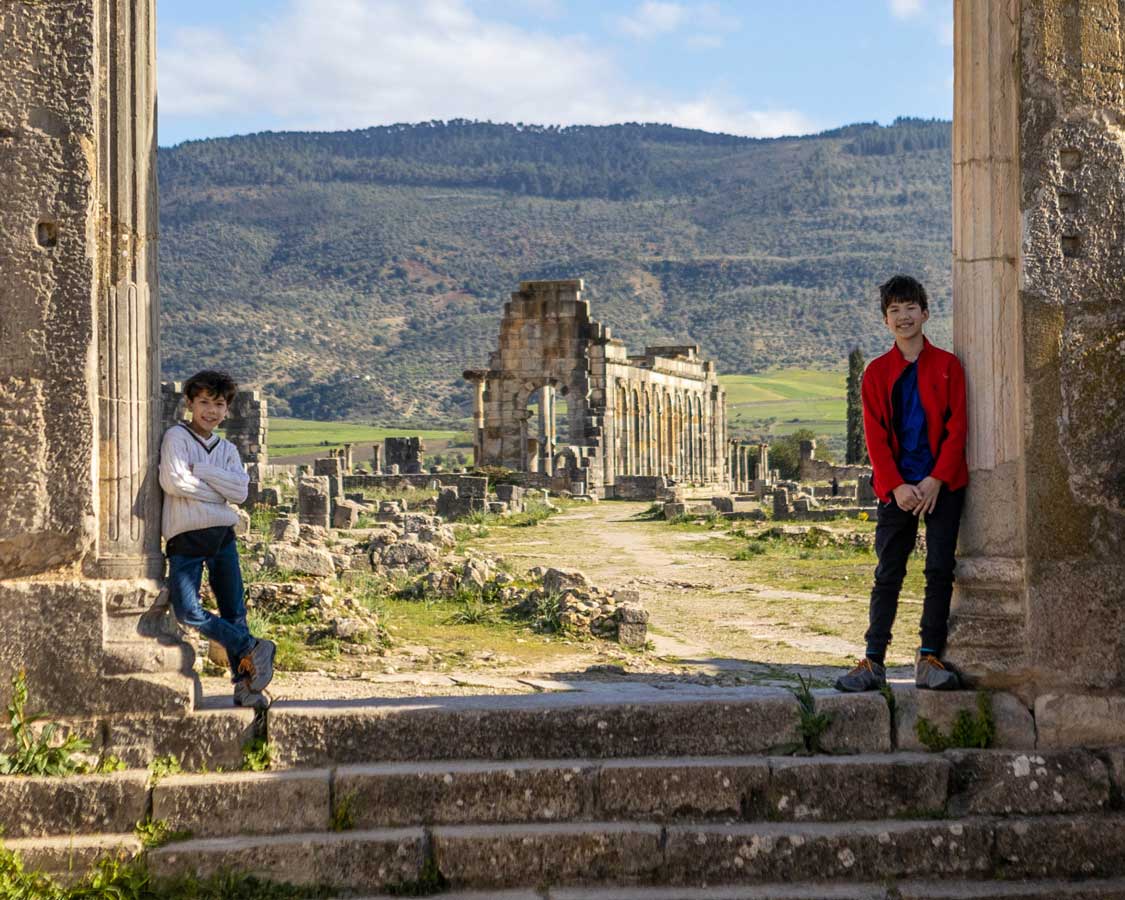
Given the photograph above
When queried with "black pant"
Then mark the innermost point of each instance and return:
(895, 534)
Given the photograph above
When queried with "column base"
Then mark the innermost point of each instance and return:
(94, 646)
(987, 623)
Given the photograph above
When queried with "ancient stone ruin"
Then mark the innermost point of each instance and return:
(633, 422)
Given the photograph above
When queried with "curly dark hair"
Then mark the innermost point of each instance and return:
(217, 384)
(904, 289)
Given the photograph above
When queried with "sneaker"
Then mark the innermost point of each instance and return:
(244, 696)
(258, 664)
(867, 675)
(931, 674)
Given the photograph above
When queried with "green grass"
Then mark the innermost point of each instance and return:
(780, 401)
(302, 437)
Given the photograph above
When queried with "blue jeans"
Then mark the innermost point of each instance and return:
(225, 575)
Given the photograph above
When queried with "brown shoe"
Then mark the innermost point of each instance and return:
(867, 675)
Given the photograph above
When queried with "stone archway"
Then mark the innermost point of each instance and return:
(1038, 261)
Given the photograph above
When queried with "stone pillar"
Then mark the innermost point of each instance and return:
(1039, 260)
(80, 400)
(764, 461)
(377, 457)
(477, 378)
(349, 458)
(314, 501)
(332, 468)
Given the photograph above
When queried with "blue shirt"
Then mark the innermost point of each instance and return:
(915, 461)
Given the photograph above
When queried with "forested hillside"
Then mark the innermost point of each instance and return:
(356, 274)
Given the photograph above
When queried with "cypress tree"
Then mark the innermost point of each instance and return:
(856, 453)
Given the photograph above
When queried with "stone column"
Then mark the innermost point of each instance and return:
(377, 455)
(477, 379)
(80, 401)
(1038, 152)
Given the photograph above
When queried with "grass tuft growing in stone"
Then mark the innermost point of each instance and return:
(154, 833)
(257, 756)
(38, 754)
(430, 881)
(123, 878)
(343, 813)
(813, 724)
(968, 731)
(161, 767)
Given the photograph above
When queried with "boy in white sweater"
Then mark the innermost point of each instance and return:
(201, 474)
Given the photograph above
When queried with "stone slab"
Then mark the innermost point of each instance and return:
(1061, 846)
(348, 861)
(538, 726)
(856, 851)
(1015, 727)
(244, 802)
(465, 792)
(763, 892)
(1077, 720)
(1013, 782)
(38, 807)
(669, 790)
(518, 855)
(211, 738)
(1099, 889)
(861, 787)
(60, 855)
(858, 723)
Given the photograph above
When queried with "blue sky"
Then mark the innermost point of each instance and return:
(753, 67)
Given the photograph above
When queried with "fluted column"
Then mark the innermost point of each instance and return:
(1038, 257)
(80, 560)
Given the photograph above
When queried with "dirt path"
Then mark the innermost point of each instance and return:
(709, 611)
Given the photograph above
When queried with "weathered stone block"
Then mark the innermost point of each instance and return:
(345, 514)
(1061, 846)
(666, 790)
(540, 727)
(285, 529)
(314, 501)
(31, 807)
(879, 786)
(348, 861)
(999, 782)
(511, 855)
(1015, 728)
(300, 559)
(857, 723)
(211, 738)
(464, 793)
(244, 803)
(856, 851)
(1075, 720)
(632, 625)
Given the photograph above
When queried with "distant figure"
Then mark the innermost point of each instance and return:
(914, 413)
(835, 487)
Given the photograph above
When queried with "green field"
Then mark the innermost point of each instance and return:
(301, 437)
(780, 401)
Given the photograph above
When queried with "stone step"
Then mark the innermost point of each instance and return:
(1093, 889)
(630, 720)
(483, 857)
(71, 855)
(692, 789)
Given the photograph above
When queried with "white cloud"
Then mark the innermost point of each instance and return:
(654, 17)
(906, 9)
(333, 64)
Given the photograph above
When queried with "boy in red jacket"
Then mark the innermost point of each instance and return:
(915, 423)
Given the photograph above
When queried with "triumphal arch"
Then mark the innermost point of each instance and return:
(1039, 320)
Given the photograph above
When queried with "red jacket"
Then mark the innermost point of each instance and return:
(941, 387)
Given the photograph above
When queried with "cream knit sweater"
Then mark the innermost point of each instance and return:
(200, 480)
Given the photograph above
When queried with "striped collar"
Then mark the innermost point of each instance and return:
(202, 443)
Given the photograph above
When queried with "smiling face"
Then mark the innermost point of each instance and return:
(207, 412)
(905, 318)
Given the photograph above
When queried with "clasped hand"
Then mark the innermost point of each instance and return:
(919, 499)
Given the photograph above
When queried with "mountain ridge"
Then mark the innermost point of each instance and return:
(356, 274)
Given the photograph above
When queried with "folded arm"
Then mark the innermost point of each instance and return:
(177, 479)
(229, 479)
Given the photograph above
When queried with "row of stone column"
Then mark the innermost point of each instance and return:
(747, 462)
(671, 433)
